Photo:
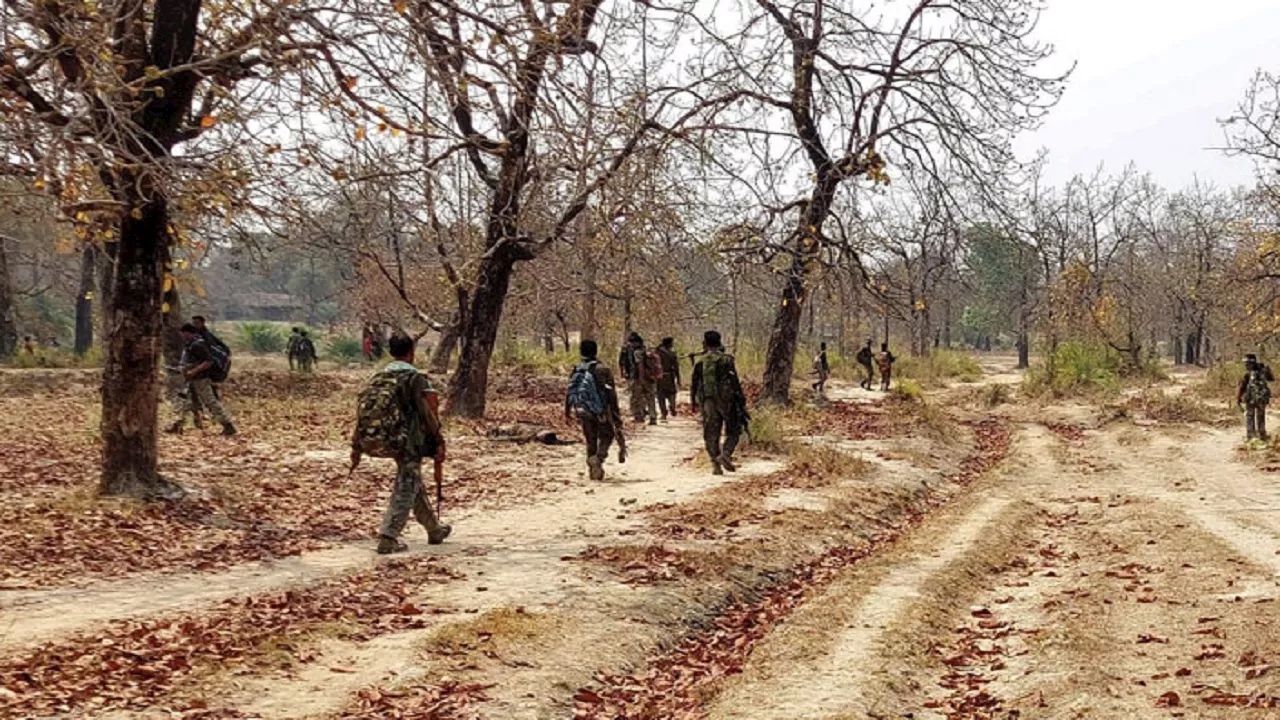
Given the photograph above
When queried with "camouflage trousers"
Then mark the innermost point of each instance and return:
(667, 399)
(598, 434)
(408, 495)
(644, 401)
(1256, 421)
(200, 395)
(716, 420)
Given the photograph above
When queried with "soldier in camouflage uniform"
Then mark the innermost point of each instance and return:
(1254, 393)
(422, 438)
(197, 362)
(644, 401)
(599, 430)
(717, 392)
(669, 384)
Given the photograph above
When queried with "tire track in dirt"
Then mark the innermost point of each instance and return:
(678, 683)
(1122, 605)
(831, 683)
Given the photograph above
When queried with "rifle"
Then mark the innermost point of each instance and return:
(433, 404)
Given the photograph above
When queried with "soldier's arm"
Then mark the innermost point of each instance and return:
(695, 384)
(1244, 382)
(430, 422)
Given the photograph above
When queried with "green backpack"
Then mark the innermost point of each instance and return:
(714, 365)
(1256, 390)
(383, 428)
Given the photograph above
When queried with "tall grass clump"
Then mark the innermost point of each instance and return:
(1221, 380)
(1076, 369)
(939, 367)
(767, 431)
(262, 338)
(521, 357)
(58, 358)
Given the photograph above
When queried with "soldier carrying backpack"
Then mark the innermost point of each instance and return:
(643, 370)
(395, 419)
(592, 397)
(202, 367)
(717, 392)
(1254, 393)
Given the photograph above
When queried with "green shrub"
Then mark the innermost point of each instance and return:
(767, 432)
(261, 337)
(1076, 369)
(939, 367)
(345, 349)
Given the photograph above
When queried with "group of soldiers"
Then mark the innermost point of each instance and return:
(654, 380)
(301, 350)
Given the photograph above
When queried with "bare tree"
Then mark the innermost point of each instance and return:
(936, 85)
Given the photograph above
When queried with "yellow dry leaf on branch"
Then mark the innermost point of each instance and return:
(208, 121)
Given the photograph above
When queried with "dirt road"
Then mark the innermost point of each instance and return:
(1019, 561)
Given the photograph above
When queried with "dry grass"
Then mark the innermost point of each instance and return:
(505, 626)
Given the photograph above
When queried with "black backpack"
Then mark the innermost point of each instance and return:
(221, 355)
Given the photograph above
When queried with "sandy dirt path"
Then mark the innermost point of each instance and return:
(1128, 571)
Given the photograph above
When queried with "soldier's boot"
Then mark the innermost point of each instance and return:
(727, 464)
(199, 420)
(437, 536)
(716, 468)
(595, 468)
(653, 420)
(390, 545)
(174, 428)
(228, 428)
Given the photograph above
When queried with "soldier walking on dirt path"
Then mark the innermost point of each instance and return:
(642, 370)
(395, 418)
(1255, 394)
(865, 358)
(201, 370)
(716, 391)
(669, 383)
(885, 360)
(821, 370)
(592, 397)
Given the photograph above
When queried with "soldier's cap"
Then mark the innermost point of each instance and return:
(1250, 357)
(668, 341)
(635, 337)
(711, 338)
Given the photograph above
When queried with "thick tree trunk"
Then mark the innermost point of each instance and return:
(171, 342)
(470, 382)
(780, 356)
(133, 323)
(84, 300)
(443, 351)
(1024, 340)
(8, 324)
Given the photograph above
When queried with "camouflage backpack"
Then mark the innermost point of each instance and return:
(715, 366)
(1256, 389)
(382, 425)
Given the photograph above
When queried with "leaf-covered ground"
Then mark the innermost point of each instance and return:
(889, 557)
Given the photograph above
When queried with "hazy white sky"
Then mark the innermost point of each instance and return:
(1153, 76)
